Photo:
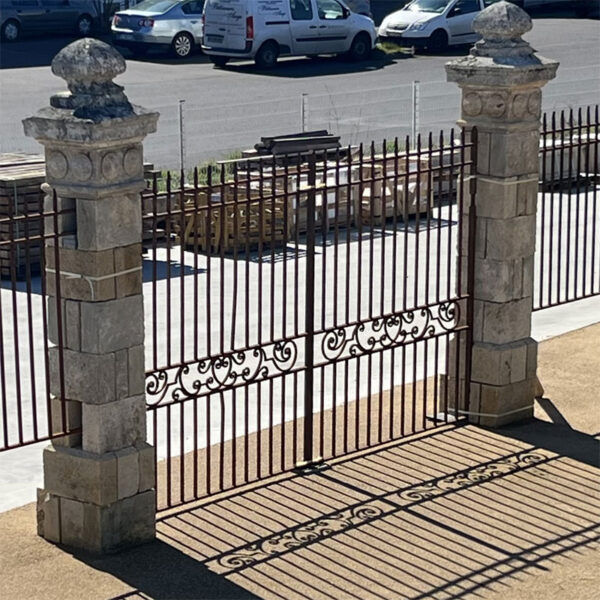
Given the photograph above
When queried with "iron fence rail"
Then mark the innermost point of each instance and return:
(28, 413)
(568, 257)
(300, 307)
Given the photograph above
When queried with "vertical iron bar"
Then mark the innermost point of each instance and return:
(309, 318)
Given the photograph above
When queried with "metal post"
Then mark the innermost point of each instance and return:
(181, 137)
(415, 110)
(304, 112)
(309, 314)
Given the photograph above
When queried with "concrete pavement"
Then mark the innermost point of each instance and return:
(460, 513)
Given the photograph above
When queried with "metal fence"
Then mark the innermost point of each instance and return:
(28, 221)
(300, 308)
(568, 249)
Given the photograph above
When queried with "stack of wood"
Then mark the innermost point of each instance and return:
(231, 219)
(388, 189)
(21, 201)
(291, 149)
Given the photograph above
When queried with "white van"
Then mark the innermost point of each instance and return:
(266, 29)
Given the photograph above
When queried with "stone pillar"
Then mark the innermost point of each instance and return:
(98, 486)
(501, 83)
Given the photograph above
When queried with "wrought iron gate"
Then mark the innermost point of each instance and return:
(300, 307)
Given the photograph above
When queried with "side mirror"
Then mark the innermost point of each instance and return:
(455, 11)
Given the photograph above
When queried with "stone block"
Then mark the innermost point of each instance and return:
(94, 270)
(113, 426)
(89, 378)
(126, 259)
(147, 466)
(527, 196)
(70, 321)
(113, 325)
(61, 223)
(480, 237)
(501, 405)
(527, 275)
(137, 519)
(72, 522)
(65, 416)
(532, 354)
(508, 239)
(495, 280)
(128, 472)
(129, 284)
(136, 370)
(514, 153)
(506, 322)
(122, 374)
(499, 364)
(79, 475)
(496, 198)
(484, 151)
(109, 222)
(48, 516)
(478, 318)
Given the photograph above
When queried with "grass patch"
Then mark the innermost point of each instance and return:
(392, 48)
(203, 170)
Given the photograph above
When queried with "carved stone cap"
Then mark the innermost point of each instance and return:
(502, 21)
(89, 67)
(501, 57)
(95, 109)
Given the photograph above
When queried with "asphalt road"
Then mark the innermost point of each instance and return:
(228, 110)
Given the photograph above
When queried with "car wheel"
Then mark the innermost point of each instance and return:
(182, 45)
(218, 61)
(11, 31)
(267, 55)
(84, 25)
(438, 41)
(360, 48)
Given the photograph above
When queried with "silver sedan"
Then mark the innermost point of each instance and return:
(174, 25)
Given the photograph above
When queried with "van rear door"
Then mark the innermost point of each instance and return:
(225, 24)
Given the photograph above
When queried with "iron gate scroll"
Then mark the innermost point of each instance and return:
(300, 307)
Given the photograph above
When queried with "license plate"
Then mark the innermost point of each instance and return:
(125, 36)
(214, 38)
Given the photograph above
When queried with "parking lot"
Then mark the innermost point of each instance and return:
(228, 110)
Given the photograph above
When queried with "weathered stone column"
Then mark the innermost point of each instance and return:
(501, 83)
(98, 486)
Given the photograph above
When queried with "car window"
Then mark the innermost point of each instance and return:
(467, 6)
(24, 3)
(434, 6)
(330, 10)
(159, 6)
(301, 10)
(193, 8)
(55, 3)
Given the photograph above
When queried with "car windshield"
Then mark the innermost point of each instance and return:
(159, 6)
(433, 6)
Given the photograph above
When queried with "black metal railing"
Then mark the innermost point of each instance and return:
(28, 412)
(301, 309)
(567, 263)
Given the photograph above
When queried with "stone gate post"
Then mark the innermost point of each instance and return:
(98, 486)
(501, 83)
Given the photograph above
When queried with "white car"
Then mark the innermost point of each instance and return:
(434, 24)
(263, 30)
